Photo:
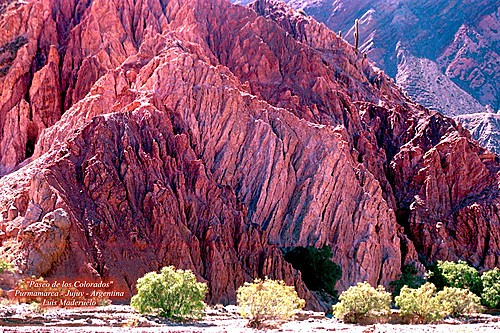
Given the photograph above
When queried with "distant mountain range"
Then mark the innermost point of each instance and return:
(444, 54)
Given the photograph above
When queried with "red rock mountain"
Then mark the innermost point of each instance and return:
(455, 43)
(137, 134)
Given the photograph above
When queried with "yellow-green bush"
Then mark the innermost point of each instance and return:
(420, 305)
(5, 265)
(362, 301)
(171, 294)
(457, 275)
(425, 304)
(265, 300)
(491, 288)
(457, 302)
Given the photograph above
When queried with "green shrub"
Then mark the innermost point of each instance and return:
(425, 304)
(318, 271)
(457, 275)
(5, 265)
(420, 305)
(265, 300)
(362, 301)
(491, 288)
(409, 277)
(171, 294)
(457, 302)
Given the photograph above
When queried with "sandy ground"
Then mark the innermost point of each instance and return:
(17, 319)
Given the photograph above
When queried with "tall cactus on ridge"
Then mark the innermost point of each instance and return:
(356, 34)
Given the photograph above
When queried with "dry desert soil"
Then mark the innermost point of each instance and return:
(120, 318)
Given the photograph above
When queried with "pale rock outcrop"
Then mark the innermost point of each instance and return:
(44, 242)
(484, 127)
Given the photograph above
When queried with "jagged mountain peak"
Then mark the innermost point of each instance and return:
(452, 47)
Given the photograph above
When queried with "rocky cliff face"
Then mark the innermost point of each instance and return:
(426, 84)
(210, 136)
(444, 54)
(472, 59)
(461, 37)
